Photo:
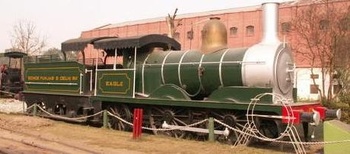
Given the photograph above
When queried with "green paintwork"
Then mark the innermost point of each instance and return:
(169, 92)
(227, 105)
(55, 77)
(115, 82)
(152, 70)
(230, 72)
(190, 75)
(193, 71)
(170, 68)
(240, 94)
(295, 94)
(181, 69)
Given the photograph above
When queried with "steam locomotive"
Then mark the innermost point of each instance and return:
(10, 73)
(178, 87)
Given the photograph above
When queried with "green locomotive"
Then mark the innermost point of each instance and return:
(178, 87)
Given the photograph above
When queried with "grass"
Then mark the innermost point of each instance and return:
(335, 132)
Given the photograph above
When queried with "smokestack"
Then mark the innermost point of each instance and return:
(270, 23)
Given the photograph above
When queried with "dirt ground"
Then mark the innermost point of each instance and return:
(26, 134)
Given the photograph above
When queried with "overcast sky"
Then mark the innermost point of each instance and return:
(60, 20)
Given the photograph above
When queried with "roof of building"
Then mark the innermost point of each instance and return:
(190, 15)
(210, 13)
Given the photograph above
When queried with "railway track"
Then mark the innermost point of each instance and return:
(27, 135)
(20, 142)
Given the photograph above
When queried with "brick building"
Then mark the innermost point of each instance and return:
(244, 27)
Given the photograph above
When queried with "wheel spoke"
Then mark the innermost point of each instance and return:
(232, 120)
(178, 120)
(158, 115)
(240, 125)
(123, 112)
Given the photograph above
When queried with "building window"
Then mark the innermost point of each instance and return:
(313, 89)
(177, 36)
(190, 35)
(314, 76)
(324, 24)
(233, 31)
(285, 26)
(250, 30)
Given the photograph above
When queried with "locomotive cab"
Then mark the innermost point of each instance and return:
(124, 56)
(11, 73)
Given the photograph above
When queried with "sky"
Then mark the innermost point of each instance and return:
(60, 20)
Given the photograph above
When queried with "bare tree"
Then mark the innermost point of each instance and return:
(172, 26)
(26, 38)
(342, 57)
(321, 37)
(54, 53)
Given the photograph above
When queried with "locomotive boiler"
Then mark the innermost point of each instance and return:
(174, 86)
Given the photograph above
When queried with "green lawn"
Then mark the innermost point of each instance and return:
(336, 131)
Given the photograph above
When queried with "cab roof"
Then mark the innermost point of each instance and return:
(155, 40)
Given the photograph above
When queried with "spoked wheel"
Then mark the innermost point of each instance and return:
(269, 129)
(124, 113)
(195, 117)
(157, 116)
(236, 123)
